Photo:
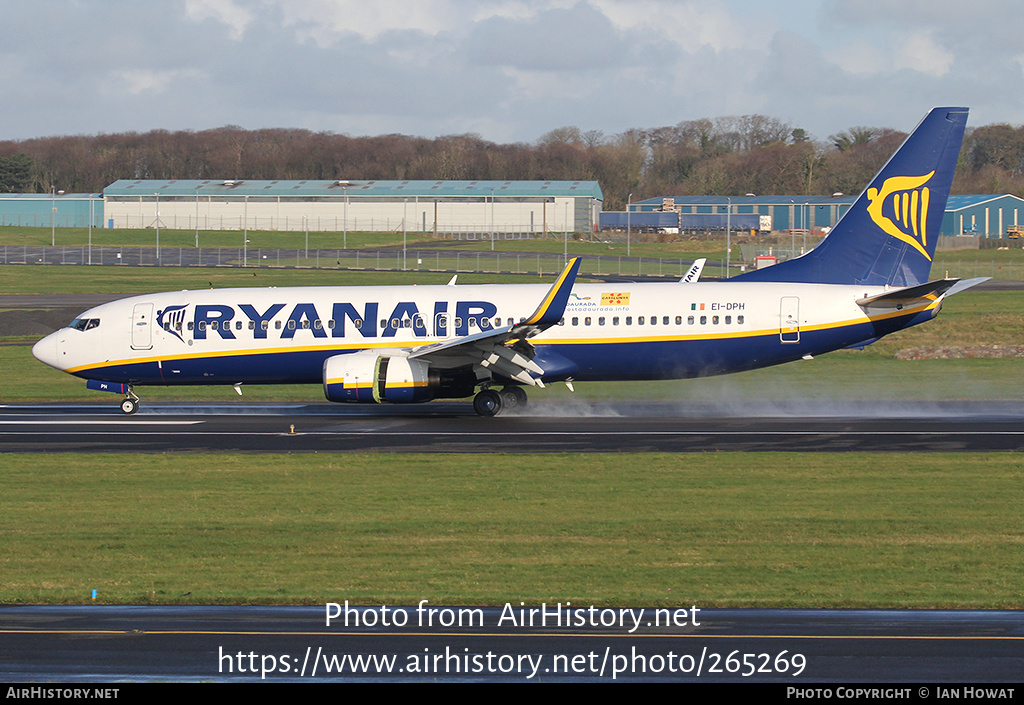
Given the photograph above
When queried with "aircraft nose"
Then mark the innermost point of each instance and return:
(46, 351)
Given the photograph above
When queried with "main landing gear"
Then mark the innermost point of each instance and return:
(490, 402)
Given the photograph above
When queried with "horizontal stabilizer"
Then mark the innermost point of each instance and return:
(966, 284)
(909, 295)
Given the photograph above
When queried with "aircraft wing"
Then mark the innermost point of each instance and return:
(505, 350)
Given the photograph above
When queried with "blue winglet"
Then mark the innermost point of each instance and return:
(553, 306)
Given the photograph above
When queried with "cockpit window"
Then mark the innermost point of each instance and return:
(84, 323)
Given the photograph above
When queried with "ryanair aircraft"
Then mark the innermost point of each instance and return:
(401, 344)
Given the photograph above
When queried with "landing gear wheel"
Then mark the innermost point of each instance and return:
(513, 397)
(129, 405)
(487, 403)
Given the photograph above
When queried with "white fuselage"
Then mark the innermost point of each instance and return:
(608, 331)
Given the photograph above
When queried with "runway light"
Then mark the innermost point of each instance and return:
(292, 431)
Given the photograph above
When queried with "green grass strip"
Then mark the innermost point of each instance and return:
(773, 530)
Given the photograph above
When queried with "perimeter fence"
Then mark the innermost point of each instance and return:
(392, 259)
(433, 260)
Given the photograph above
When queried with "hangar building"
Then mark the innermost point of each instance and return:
(437, 207)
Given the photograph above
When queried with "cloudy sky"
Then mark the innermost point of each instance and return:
(509, 70)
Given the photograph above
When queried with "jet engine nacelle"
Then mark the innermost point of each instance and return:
(368, 376)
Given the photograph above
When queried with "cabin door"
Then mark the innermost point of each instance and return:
(142, 327)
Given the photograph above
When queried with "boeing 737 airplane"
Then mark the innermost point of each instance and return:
(401, 344)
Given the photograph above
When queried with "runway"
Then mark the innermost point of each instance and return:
(572, 426)
(102, 644)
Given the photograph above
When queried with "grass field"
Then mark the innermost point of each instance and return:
(783, 530)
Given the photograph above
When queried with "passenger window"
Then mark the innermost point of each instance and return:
(664, 321)
(629, 320)
(639, 320)
(728, 320)
(277, 325)
(252, 325)
(654, 320)
(703, 320)
(739, 319)
(586, 321)
(714, 320)
(263, 325)
(615, 320)
(575, 320)
(689, 320)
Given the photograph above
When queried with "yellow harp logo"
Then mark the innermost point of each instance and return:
(901, 209)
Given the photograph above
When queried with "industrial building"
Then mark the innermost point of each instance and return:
(986, 216)
(436, 207)
(57, 209)
(785, 212)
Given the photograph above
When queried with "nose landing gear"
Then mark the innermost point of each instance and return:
(130, 404)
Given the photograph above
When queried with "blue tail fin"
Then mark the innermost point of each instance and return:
(889, 235)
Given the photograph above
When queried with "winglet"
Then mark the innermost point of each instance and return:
(553, 306)
(693, 273)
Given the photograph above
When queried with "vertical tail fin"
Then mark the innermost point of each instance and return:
(889, 235)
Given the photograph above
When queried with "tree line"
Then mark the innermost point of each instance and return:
(721, 156)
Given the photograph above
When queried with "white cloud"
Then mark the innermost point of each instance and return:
(329, 21)
(916, 51)
(227, 12)
(691, 25)
(920, 52)
(138, 81)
